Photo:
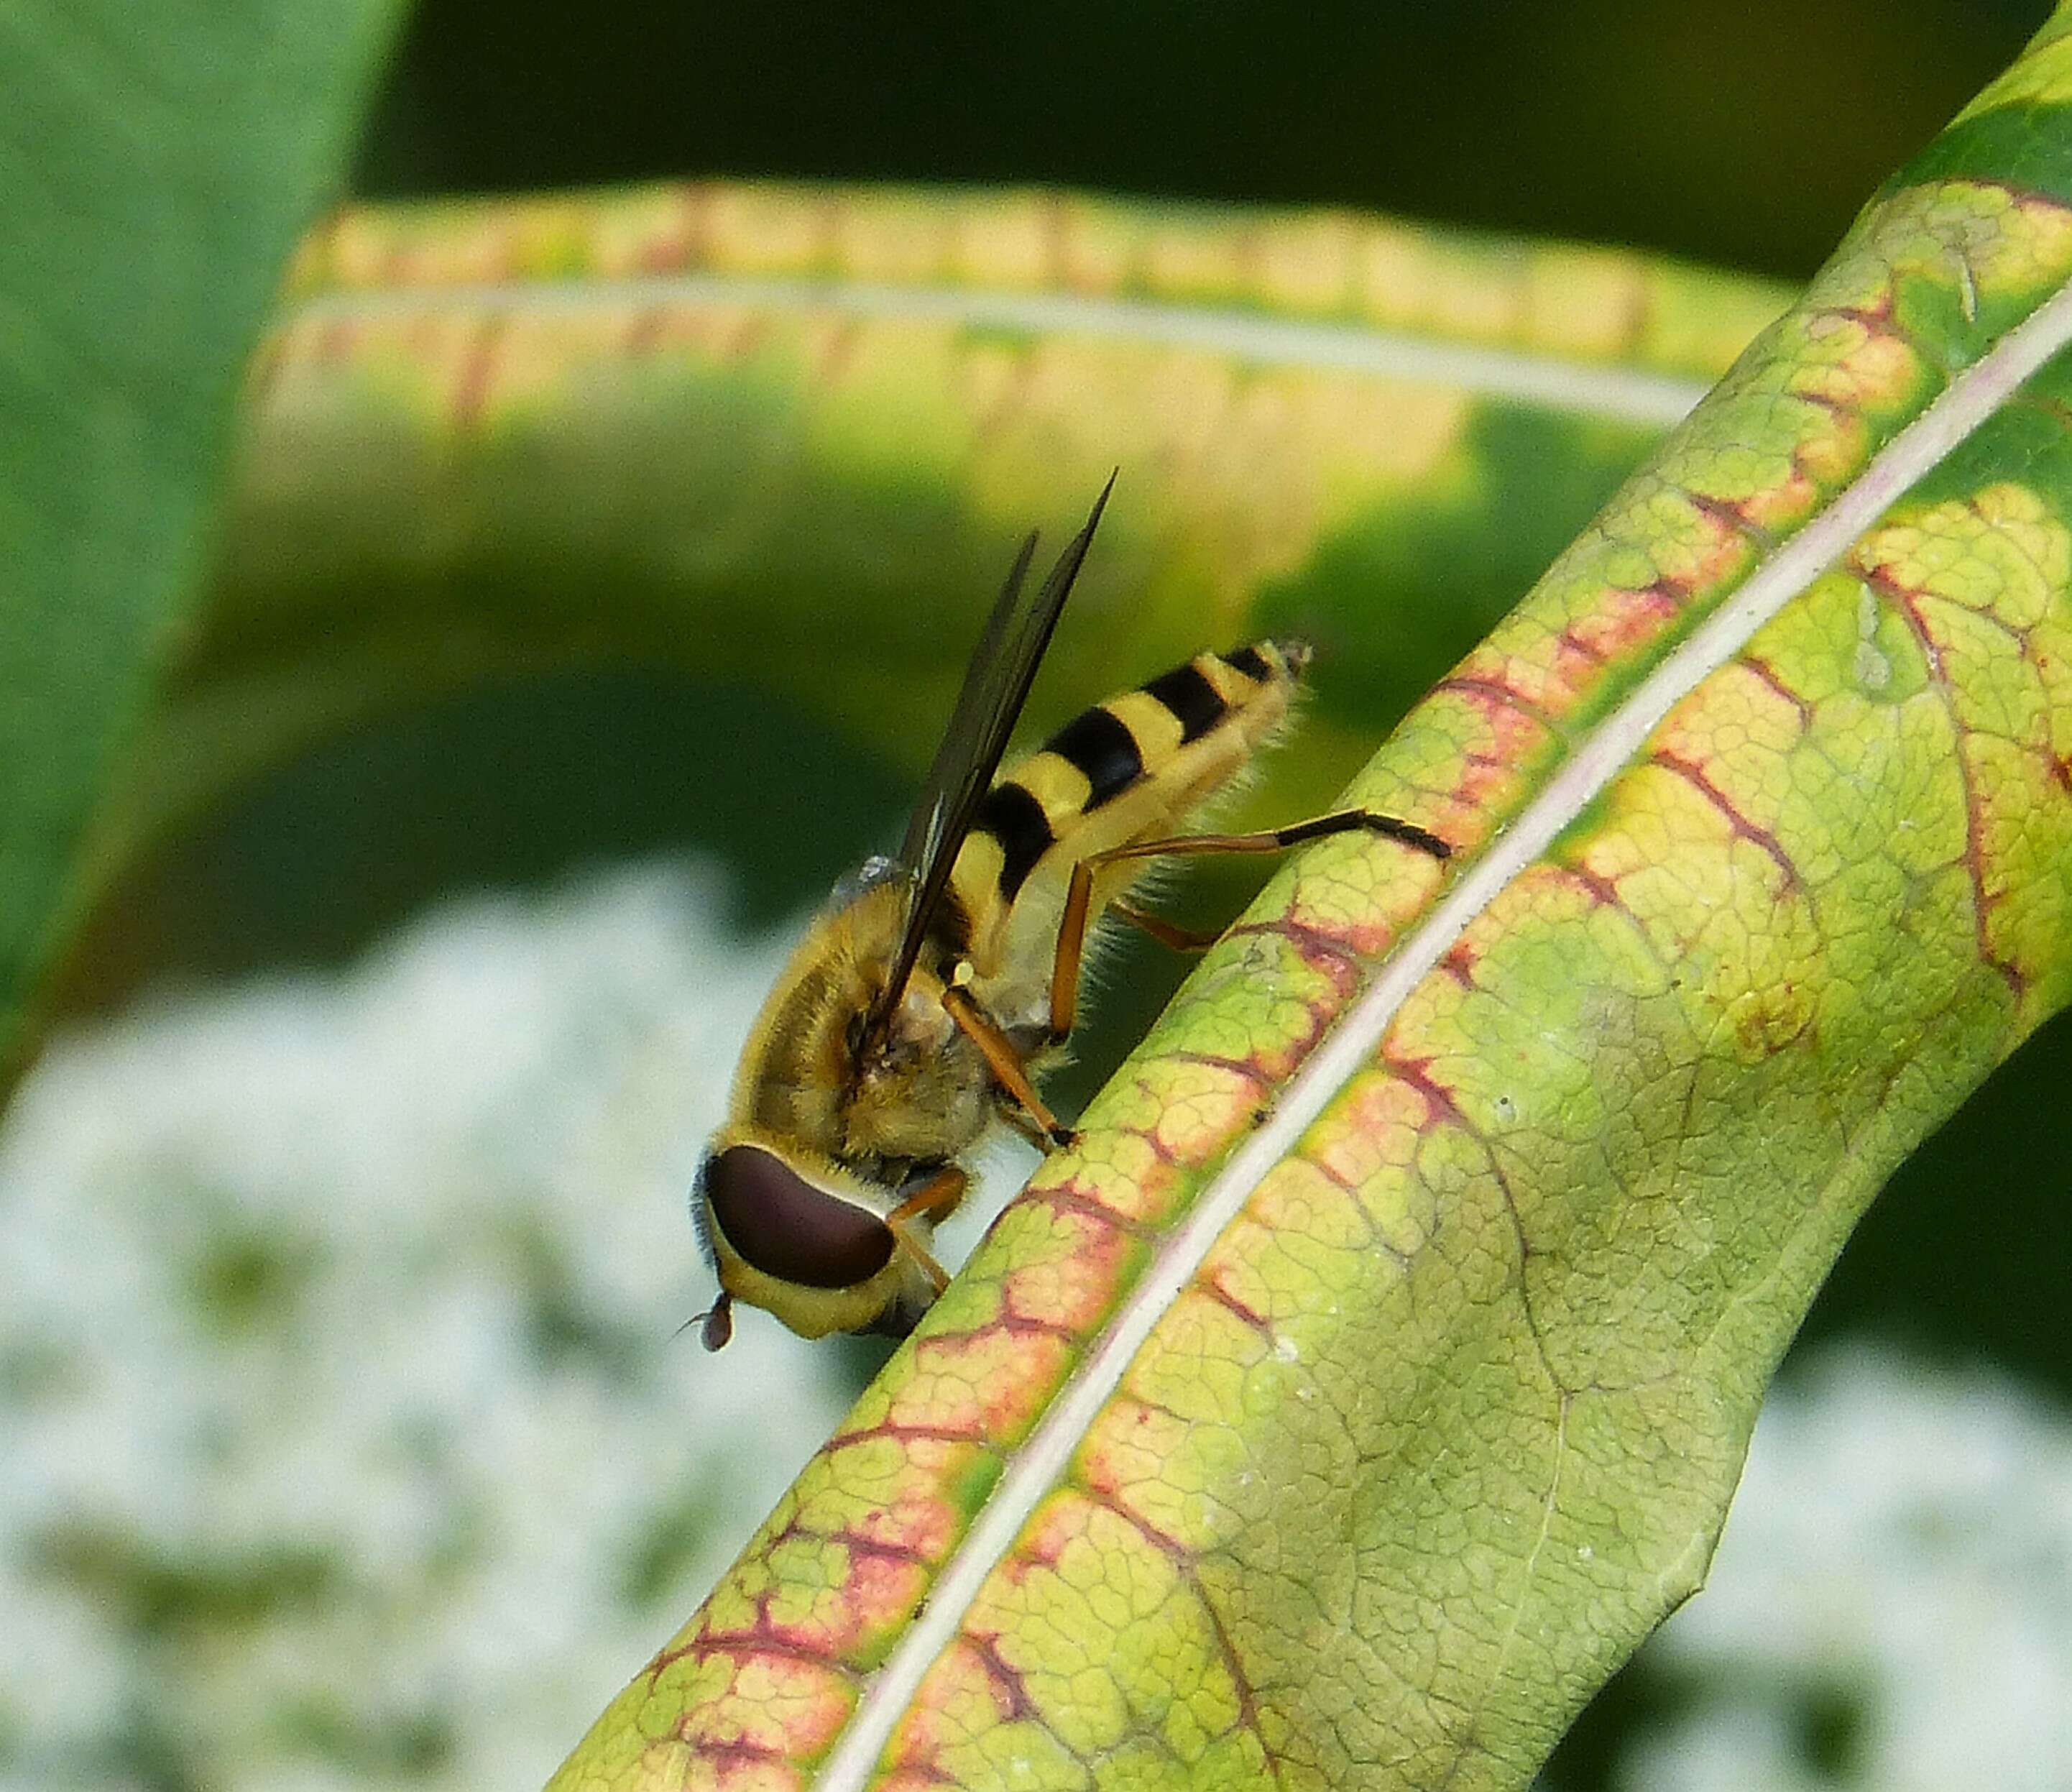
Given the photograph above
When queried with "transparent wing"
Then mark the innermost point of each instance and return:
(960, 752)
(995, 685)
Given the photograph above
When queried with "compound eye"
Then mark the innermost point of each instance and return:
(783, 1226)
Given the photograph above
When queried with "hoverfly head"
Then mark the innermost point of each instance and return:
(788, 1226)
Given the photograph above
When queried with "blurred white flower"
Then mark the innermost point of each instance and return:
(1891, 1607)
(347, 1441)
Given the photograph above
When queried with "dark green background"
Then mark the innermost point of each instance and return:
(1746, 136)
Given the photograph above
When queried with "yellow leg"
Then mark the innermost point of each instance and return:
(1078, 899)
(1167, 933)
(936, 1197)
(1006, 1063)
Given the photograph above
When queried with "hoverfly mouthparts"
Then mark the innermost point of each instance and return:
(783, 1225)
(929, 996)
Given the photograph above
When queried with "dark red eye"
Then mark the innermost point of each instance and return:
(783, 1226)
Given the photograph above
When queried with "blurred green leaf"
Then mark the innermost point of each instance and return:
(156, 165)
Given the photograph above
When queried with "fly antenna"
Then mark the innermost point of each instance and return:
(715, 1324)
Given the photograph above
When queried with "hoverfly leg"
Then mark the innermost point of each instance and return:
(1006, 1063)
(1011, 1113)
(938, 1195)
(1339, 821)
(1072, 950)
(1169, 934)
(1078, 898)
(935, 1271)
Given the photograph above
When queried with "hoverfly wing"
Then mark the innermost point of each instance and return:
(962, 744)
(995, 685)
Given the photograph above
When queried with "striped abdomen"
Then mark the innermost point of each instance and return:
(1133, 768)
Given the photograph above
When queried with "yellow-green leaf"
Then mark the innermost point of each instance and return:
(787, 436)
(1377, 1371)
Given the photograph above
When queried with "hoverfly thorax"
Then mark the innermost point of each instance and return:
(937, 985)
(921, 1095)
(883, 1098)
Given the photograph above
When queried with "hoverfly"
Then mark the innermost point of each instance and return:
(925, 1001)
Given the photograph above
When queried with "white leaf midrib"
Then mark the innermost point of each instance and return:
(1585, 389)
(1035, 1468)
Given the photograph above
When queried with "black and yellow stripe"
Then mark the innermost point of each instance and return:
(1190, 728)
